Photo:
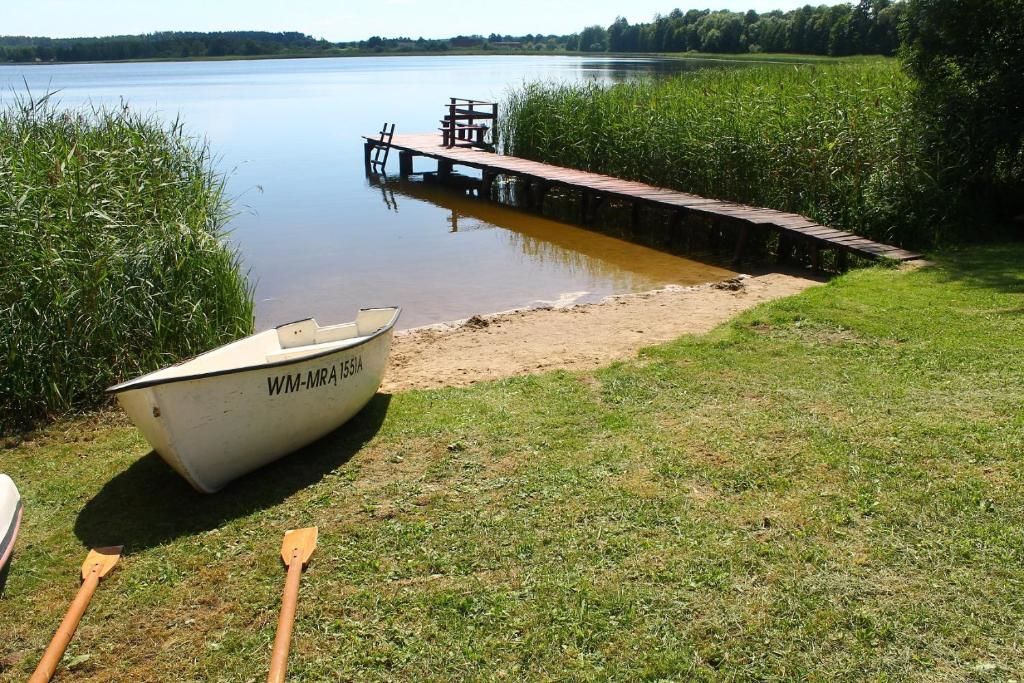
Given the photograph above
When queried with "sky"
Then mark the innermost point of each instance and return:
(343, 20)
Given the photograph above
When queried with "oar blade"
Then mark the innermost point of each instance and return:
(103, 559)
(302, 539)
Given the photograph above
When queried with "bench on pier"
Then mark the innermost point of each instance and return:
(466, 123)
(462, 132)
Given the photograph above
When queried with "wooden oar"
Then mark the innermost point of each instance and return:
(296, 550)
(97, 565)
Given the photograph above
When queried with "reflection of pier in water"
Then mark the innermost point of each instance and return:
(542, 239)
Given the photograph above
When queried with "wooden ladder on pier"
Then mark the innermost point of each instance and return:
(378, 160)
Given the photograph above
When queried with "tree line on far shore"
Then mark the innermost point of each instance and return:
(162, 45)
(172, 45)
(871, 27)
(868, 27)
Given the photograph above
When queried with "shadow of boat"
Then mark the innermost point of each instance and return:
(4, 573)
(150, 504)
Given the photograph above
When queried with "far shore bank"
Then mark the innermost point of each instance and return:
(747, 58)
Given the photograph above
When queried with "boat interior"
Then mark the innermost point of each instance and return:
(305, 337)
(286, 342)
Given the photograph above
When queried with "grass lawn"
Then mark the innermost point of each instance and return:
(829, 488)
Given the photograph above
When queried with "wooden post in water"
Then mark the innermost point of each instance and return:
(785, 249)
(405, 164)
(681, 230)
(541, 188)
(444, 170)
(486, 182)
(367, 154)
(741, 244)
(599, 200)
(528, 193)
(715, 235)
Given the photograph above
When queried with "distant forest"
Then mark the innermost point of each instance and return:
(869, 27)
(163, 45)
(227, 44)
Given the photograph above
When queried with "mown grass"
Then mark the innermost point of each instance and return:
(836, 142)
(829, 488)
(114, 261)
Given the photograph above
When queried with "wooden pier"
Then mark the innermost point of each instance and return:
(744, 221)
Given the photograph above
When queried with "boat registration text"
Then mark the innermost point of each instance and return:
(315, 378)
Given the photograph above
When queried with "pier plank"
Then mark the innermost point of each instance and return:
(787, 224)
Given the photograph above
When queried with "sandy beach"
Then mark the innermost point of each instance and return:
(575, 337)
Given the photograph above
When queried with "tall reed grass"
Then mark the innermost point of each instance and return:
(112, 254)
(835, 142)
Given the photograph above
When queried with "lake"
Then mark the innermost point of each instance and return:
(317, 237)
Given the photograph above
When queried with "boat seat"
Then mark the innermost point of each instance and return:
(306, 337)
(305, 332)
(311, 349)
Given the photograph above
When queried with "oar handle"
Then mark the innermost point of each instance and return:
(66, 631)
(283, 641)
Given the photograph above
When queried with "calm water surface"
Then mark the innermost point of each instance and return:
(317, 237)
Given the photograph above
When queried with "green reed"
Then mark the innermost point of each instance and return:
(835, 142)
(113, 258)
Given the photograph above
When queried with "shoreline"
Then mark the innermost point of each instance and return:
(744, 58)
(575, 337)
(532, 340)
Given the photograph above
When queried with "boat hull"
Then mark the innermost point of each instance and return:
(214, 429)
(10, 518)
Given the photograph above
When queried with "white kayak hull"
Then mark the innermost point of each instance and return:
(241, 406)
(10, 518)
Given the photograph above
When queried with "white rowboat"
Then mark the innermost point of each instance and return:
(238, 407)
(10, 518)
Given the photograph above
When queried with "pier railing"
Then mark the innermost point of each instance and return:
(467, 122)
